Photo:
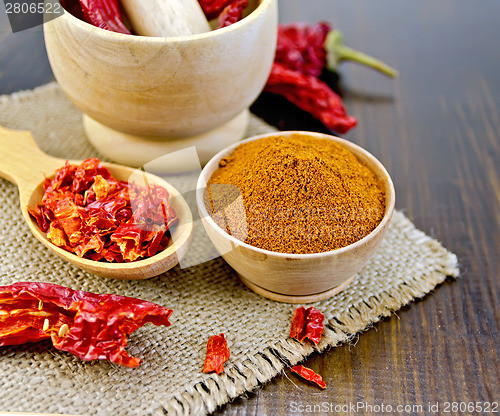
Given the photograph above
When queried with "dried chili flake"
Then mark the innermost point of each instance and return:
(88, 325)
(307, 323)
(232, 13)
(87, 211)
(217, 354)
(309, 375)
(213, 8)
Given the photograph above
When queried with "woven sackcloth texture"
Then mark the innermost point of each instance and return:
(207, 299)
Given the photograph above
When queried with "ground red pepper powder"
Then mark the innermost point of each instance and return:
(301, 194)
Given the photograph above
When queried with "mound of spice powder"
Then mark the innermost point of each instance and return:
(85, 210)
(300, 194)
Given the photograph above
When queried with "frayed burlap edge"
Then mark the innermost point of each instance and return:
(28, 94)
(205, 397)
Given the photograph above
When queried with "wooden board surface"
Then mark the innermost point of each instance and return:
(436, 129)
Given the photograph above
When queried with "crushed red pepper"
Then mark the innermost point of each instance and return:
(88, 325)
(87, 211)
(307, 323)
(213, 8)
(309, 375)
(217, 354)
(232, 13)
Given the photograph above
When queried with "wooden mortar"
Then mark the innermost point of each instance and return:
(143, 97)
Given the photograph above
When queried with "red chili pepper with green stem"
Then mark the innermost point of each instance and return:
(311, 48)
(336, 52)
(302, 53)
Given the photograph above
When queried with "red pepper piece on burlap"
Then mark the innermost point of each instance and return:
(217, 354)
(307, 323)
(312, 95)
(309, 375)
(88, 325)
(104, 14)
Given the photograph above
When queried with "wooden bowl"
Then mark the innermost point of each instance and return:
(296, 278)
(142, 96)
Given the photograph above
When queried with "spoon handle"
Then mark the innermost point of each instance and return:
(22, 162)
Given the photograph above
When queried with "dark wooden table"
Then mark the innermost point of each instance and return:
(436, 128)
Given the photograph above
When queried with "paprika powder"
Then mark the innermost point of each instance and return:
(301, 194)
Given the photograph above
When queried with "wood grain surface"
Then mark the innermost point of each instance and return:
(436, 129)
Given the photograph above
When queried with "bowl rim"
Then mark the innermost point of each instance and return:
(389, 208)
(123, 37)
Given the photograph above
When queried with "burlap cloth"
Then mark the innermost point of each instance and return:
(206, 299)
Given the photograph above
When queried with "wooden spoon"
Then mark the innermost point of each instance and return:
(24, 164)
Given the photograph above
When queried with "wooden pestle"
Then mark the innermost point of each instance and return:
(166, 17)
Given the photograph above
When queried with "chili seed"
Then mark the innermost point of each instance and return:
(63, 330)
(45, 325)
(40, 305)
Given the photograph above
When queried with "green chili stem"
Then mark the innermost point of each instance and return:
(337, 52)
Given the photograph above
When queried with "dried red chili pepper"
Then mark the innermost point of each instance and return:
(312, 95)
(232, 13)
(310, 48)
(88, 325)
(104, 14)
(302, 53)
(301, 47)
(217, 354)
(87, 211)
(307, 323)
(309, 375)
(336, 52)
